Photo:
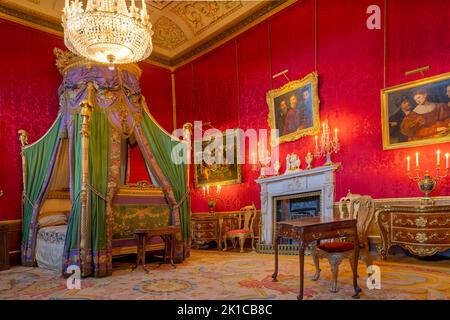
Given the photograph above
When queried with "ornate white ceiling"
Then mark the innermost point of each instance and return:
(181, 28)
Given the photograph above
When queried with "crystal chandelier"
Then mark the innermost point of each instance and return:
(107, 31)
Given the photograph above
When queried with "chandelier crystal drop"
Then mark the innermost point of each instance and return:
(107, 31)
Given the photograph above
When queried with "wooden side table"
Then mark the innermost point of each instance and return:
(167, 233)
(145, 235)
(308, 230)
(141, 244)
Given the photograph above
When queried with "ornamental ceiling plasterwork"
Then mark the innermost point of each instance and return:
(181, 28)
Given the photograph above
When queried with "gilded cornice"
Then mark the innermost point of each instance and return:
(40, 23)
(29, 20)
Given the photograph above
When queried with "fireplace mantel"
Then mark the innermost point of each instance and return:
(318, 179)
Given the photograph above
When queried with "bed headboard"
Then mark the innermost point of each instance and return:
(57, 201)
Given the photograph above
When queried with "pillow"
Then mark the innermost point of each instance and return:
(50, 219)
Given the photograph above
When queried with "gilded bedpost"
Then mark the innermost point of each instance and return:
(187, 136)
(85, 241)
(23, 138)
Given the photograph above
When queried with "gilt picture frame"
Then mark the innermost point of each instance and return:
(220, 174)
(294, 109)
(416, 113)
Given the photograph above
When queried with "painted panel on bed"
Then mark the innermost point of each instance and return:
(128, 218)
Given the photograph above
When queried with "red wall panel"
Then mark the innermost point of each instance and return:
(183, 92)
(28, 100)
(418, 35)
(156, 86)
(215, 87)
(350, 65)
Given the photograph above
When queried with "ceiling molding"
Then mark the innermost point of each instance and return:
(46, 23)
(233, 31)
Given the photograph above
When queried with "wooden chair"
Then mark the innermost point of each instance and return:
(362, 208)
(244, 230)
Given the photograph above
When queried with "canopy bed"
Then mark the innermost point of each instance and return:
(77, 206)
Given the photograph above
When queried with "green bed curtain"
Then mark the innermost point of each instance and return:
(99, 150)
(99, 253)
(72, 243)
(39, 159)
(161, 145)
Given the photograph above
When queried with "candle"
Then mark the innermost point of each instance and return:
(204, 191)
(446, 160)
(335, 134)
(317, 146)
(408, 158)
(438, 157)
(207, 190)
(219, 187)
(417, 160)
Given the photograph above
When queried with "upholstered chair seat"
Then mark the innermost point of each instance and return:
(239, 231)
(244, 229)
(336, 246)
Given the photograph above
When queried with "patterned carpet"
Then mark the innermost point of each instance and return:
(232, 275)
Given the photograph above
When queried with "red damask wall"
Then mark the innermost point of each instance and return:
(228, 86)
(28, 84)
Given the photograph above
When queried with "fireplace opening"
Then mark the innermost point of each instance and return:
(296, 207)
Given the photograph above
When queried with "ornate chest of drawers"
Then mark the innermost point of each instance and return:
(209, 227)
(423, 230)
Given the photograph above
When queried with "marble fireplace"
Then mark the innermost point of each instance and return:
(292, 196)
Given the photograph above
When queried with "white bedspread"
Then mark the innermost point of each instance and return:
(50, 247)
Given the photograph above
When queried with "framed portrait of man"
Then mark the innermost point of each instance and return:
(416, 113)
(294, 109)
(224, 166)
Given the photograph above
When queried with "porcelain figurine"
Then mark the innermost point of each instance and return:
(288, 163)
(276, 168)
(309, 158)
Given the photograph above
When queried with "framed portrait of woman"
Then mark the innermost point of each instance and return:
(294, 109)
(416, 113)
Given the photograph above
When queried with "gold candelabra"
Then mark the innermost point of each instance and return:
(427, 184)
(327, 144)
(211, 197)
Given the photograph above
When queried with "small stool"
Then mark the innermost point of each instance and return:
(141, 244)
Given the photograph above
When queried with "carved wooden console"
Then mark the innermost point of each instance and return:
(422, 230)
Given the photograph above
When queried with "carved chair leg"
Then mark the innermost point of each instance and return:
(234, 243)
(334, 266)
(241, 243)
(367, 258)
(224, 243)
(253, 242)
(352, 266)
(315, 258)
